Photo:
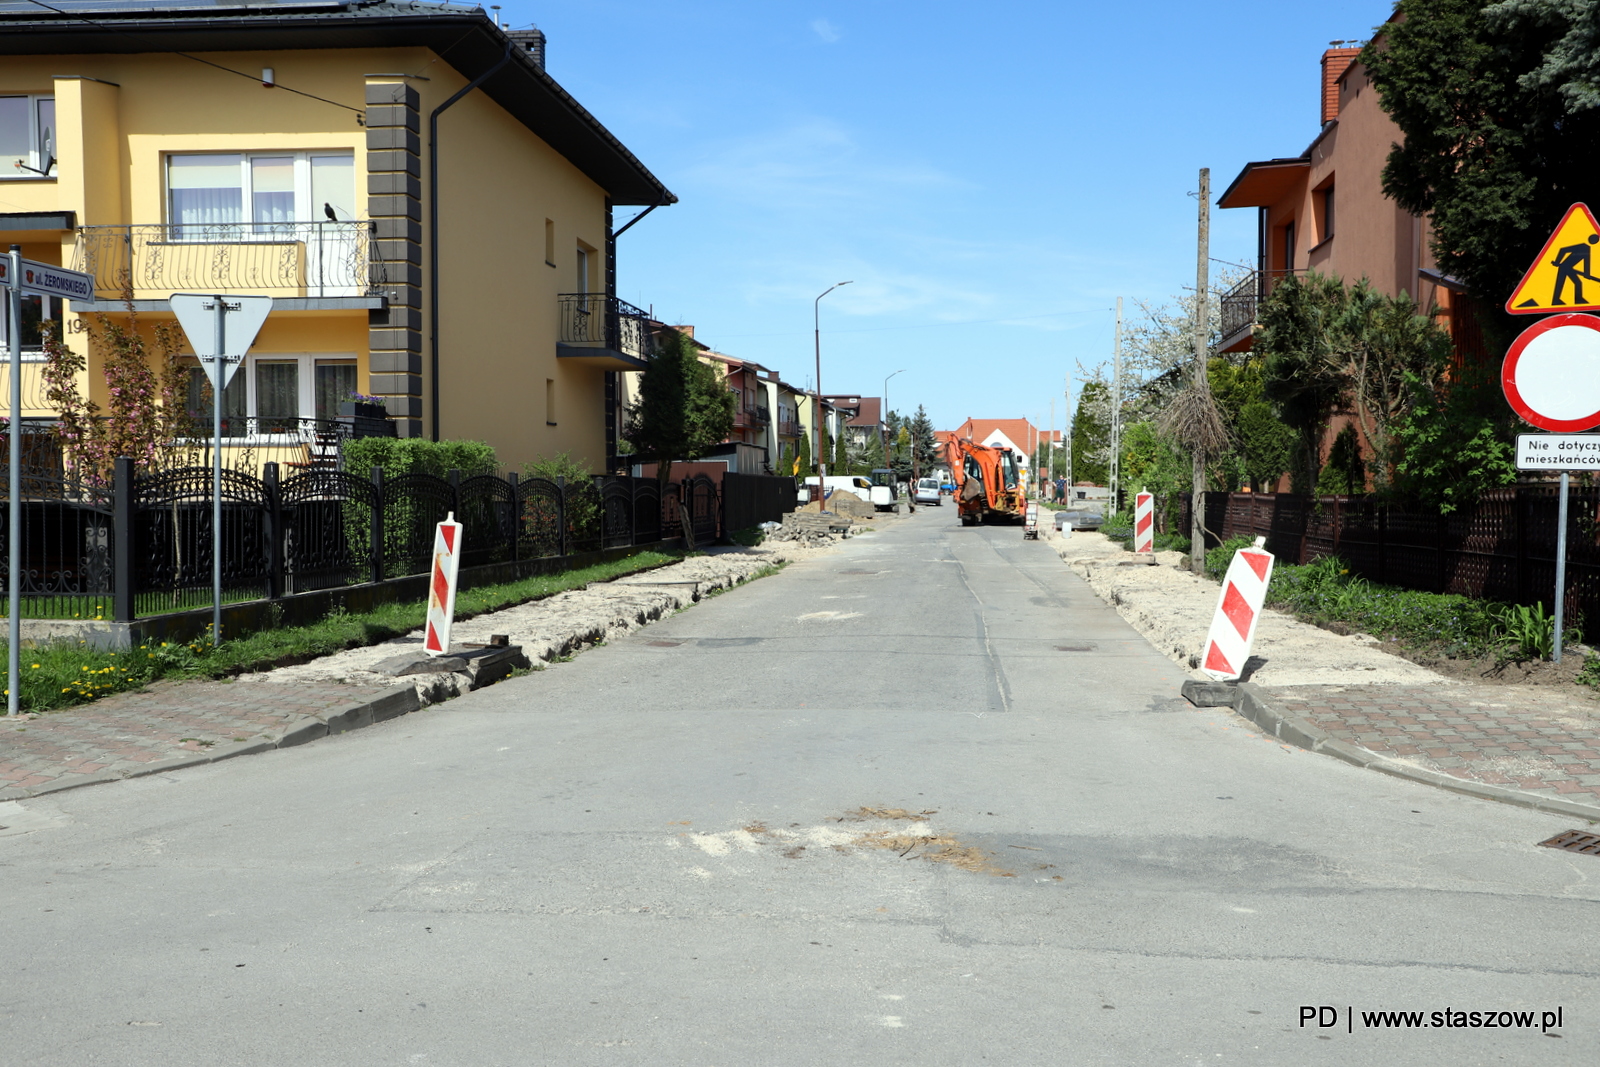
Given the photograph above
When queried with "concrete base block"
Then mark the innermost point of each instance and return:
(1211, 694)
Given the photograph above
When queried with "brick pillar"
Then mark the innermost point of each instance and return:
(394, 204)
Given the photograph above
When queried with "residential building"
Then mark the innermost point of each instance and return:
(1324, 210)
(864, 417)
(429, 209)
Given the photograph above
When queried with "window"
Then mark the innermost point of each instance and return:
(27, 136)
(549, 242)
(273, 394)
(549, 401)
(1327, 212)
(268, 192)
(35, 309)
(1288, 247)
(583, 270)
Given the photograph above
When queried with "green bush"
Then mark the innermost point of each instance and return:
(1218, 559)
(416, 455)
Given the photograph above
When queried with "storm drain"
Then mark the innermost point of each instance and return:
(1074, 648)
(1575, 841)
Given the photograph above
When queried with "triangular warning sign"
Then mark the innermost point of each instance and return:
(1565, 276)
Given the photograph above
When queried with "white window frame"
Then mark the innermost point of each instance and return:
(35, 159)
(307, 389)
(302, 190)
(33, 353)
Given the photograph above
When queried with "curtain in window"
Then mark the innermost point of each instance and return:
(272, 193)
(47, 132)
(206, 194)
(277, 397)
(335, 382)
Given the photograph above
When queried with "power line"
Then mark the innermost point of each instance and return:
(359, 113)
(926, 325)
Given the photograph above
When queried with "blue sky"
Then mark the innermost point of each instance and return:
(991, 177)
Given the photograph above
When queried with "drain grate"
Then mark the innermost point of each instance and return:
(1575, 841)
(1074, 648)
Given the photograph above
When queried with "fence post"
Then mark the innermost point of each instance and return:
(1383, 544)
(275, 576)
(1438, 542)
(561, 514)
(455, 491)
(516, 513)
(122, 608)
(1520, 515)
(377, 524)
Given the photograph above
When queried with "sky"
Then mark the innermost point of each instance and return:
(989, 177)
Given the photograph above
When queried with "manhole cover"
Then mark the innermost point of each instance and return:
(665, 644)
(1575, 841)
(727, 642)
(1074, 648)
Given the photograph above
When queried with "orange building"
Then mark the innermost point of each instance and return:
(1324, 210)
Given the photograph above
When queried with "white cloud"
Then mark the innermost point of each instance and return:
(826, 30)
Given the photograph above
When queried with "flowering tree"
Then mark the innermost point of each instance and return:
(146, 414)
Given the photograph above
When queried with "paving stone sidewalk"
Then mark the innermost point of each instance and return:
(168, 724)
(1541, 741)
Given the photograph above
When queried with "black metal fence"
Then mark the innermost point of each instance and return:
(1500, 547)
(143, 545)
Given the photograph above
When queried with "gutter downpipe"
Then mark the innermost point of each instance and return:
(433, 227)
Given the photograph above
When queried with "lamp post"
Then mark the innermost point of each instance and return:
(887, 455)
(822, 451)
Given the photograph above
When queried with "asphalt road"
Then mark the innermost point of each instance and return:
(648, 856)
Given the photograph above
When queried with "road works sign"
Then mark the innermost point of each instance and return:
(1551, 374)
(1564, 275)
(442, 586)
(1233, 629)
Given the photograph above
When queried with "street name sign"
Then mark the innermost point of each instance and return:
(197, 314)
(1551, 374)
(1558, 451)
(34, 277)
(1568, 260)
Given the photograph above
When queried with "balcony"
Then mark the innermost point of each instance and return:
(1237, 316)
(301, 265)
(788, 428)
(604, 332)
(751, 417)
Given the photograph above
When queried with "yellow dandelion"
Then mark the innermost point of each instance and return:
(35, 666)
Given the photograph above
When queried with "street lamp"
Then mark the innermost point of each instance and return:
(886, 461)
(816, 328)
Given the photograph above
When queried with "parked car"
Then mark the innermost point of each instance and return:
(1081, 518)
(928, 492)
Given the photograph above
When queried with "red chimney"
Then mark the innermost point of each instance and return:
(1335, 61)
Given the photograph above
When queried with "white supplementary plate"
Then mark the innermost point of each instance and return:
(1558, 451)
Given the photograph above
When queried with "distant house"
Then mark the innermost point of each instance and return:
(1019, 435)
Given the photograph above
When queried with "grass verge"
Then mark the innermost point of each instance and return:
(61, 675)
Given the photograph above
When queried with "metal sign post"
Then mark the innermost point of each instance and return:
(195, 314)
(16, 276)
(1561, 567)
(14, 493)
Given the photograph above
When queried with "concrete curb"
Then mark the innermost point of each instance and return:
(388, 704)
(1253, 705)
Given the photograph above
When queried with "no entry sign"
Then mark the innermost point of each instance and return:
(1551, 375)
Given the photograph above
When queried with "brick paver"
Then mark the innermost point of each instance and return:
(1541, 740)
(132, 732)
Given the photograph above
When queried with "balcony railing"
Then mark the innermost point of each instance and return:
(281, 259)
(788, 428)
(1240, 304)
(763, 415)
(595, 320)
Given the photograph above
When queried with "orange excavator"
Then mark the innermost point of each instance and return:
(988, 483)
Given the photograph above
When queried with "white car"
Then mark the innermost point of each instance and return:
(928, 492)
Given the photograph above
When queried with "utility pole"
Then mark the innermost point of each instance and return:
(1066, 394)
(1050, 466)
(1116, 417)
(1201, 385)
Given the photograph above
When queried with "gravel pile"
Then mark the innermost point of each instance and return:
(1173, 609)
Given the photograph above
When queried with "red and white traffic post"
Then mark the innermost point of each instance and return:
(442, 586)
(1144, 526)
(1233, 628)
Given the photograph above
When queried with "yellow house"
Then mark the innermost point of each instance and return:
(430, 211)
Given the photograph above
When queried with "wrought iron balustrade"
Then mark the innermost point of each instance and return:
(595, 320)
(1240, 304)
(284, 259)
